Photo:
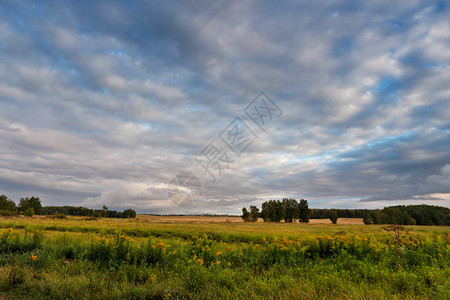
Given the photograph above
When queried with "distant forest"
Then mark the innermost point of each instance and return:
(409, 215)
(32, 206)
(289, 210)
(83, 211)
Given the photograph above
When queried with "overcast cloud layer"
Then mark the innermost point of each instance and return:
(103, 102)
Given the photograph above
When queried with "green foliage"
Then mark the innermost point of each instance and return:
(393, 263)
(324, 213)
(245, 215)
(13, 241)
(333, 216)
(104, 212)
(273, 211)
(83, 211)
(367, 219)
(8, 213)
(129, 213)
(254, 213)
(291, 210)
(30, 203)
(304, 212)
(6, 204)
(288, 210)
(409, 215)
(30, 212)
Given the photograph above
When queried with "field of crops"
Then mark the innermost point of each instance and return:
(146, 259)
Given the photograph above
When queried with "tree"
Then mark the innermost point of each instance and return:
(254, 213)
(29, 212)
(290, 210)
(7, 204)
(104, 212)
(303, 211)
(333, 216)
(265, 211)
(33, 202)
(129, 213)
(245, 215)
(367, 219)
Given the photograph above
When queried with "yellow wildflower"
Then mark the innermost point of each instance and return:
(10, 229)
(229, 264)
(218, 253)
(33, 257)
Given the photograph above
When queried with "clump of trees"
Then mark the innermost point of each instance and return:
(32, 206)
(7, 206)
(409, 215)
(252, 215)
(27, 206)
(288, 210)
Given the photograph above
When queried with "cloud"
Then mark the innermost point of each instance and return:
(102, 103)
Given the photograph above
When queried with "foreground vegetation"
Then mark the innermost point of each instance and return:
(120, 258)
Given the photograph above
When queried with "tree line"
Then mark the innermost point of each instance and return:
(409, 215)
(289, 210)
(324, 213)
(32, 206)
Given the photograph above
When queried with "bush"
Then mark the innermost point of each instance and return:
(333, 216)
(7, 213)
(29, 212)
(13, 242)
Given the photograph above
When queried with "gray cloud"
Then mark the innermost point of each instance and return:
(102, 103)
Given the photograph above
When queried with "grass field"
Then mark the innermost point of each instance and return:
(218, 257)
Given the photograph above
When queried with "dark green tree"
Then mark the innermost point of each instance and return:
(303, 211)
(333, 216)
(104, 212)
(254, 213)
(367, 219)
(33, 202)
(129, 213)
(290, 210)
(7, 204)
(29, 212)
(245, 215)
(265, 211)
(279, 208)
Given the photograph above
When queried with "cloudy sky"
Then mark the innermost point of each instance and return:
(103, 102)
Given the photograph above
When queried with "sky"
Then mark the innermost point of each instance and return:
(343, 103)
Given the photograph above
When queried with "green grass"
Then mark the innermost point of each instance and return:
(103, 259)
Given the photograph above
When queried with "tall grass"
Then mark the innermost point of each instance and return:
(112, 264)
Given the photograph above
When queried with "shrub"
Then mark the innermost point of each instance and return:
(29, 212)
(14, 242)
(333, 216)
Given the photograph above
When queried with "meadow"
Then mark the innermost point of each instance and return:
(219, 258)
